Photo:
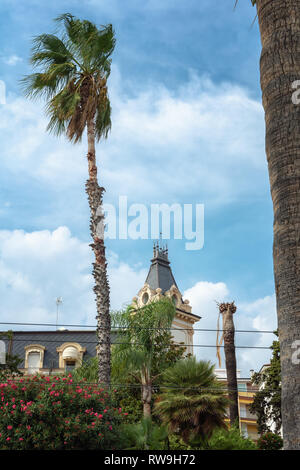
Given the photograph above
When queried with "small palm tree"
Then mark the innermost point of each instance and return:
(192, 402)
(145, 435)
(74, 69)
(143, 342)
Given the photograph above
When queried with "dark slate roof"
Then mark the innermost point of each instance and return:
(160, 274)
(51, 340)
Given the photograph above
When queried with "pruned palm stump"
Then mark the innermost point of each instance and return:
(227, 311)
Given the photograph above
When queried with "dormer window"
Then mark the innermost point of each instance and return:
(34, 358)
(70, 356)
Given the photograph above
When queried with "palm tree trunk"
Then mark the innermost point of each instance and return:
(228, 310)
(279, 22)
(101, 288)
(146, 395)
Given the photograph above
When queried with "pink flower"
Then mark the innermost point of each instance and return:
(8, 438)
(9, 427)
(21, 439)
(28, 427)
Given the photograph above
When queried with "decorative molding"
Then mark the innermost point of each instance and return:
(80, 350)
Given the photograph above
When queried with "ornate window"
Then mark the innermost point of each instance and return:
(70, 355)
(34, 358)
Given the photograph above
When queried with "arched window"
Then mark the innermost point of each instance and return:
(34, 358)
(70, 355)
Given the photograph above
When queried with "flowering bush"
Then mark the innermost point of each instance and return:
(270, 441)
(43, 412)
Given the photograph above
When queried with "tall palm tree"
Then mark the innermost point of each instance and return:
(279, 23)
(192, 401)
(72, 77)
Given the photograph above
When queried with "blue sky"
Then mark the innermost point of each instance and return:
(188, 127)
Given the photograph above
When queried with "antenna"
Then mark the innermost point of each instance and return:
(58, 303)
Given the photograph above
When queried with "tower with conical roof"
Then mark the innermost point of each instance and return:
(161, 282)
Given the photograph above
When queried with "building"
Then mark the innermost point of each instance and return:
(160, 282)
(246, 392)
(51, 352)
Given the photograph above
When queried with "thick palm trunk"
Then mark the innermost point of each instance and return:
(279, 22)
(227, 311)
(101, 288)
(146, 395)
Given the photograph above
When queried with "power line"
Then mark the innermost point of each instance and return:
(129, 385)
(124, 328)
(140, 344)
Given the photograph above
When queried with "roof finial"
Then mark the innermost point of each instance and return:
(160, 242)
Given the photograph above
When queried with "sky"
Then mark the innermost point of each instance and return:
(187, 128)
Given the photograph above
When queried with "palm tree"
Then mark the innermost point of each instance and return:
(192, 401)
(74, 69)
(143, 346)
(279, 23)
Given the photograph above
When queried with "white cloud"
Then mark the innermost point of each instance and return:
(12, 60)
(203, 141)
(257, 315)
(37, 267)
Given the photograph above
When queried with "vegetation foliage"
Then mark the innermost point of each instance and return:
(267, 401)
(12, 362)
(196, 407)
(74, 66)
(270, 441)
(53, 413)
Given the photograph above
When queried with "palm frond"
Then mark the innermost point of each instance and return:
(199, 406)
(93, 45)
(74, 68)
(39, 84)
(49, 48)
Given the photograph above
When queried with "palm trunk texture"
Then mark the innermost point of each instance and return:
(101, 288)
(146, 394)
(227, 310)
(279, 22)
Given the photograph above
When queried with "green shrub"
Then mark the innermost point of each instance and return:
(46, 413)
(176, 443)
(145, 435)
(270, 441)
(229, 439)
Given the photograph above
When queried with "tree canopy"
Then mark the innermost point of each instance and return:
(74, 67)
